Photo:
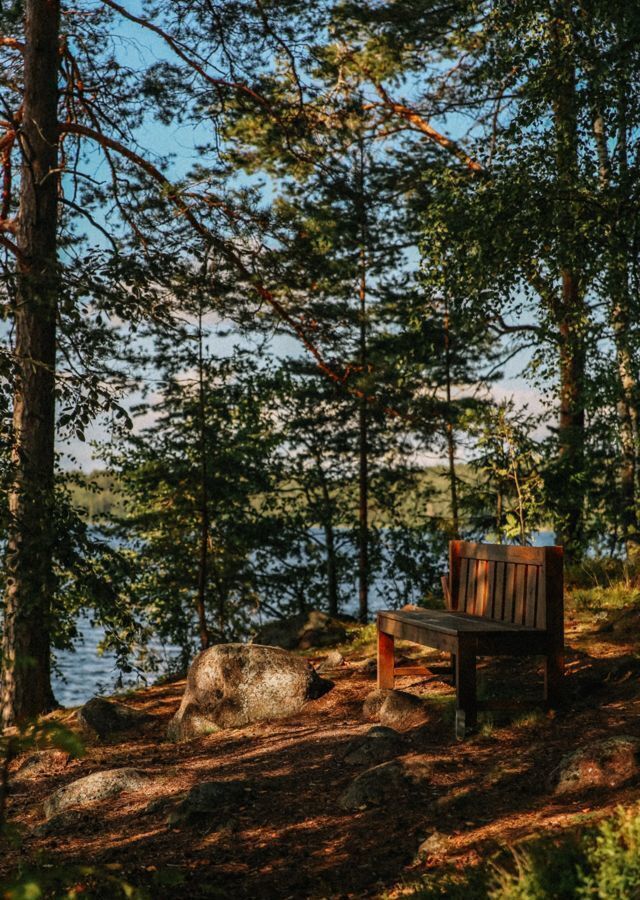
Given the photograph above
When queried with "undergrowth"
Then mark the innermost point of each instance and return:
(600, 862)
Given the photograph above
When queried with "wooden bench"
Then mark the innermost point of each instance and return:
(501, 601)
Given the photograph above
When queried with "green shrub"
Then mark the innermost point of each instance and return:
(601, 863)
(619, 595)
(546, 869)
(613, 859)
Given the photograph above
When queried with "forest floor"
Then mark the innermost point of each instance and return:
(291, 839)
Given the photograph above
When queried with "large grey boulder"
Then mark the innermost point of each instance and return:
(302, 631)
(608, 763)
(106, 717)
(396, 709)
(233, 685)
(387, 783)
(91, 788)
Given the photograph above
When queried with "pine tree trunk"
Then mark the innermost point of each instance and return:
(451, 445)
(363, 423)
(569, 312)
(26, 682)
(203, 562)
(332, 569)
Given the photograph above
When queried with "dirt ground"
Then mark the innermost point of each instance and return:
(292, 839)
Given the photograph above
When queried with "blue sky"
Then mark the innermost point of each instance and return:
(138, 48)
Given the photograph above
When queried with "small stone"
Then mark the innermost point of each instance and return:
(333, 660)
(435, 845)
(62, 823)
(42, 763)
(302, 631)
(397, 709)
(106, 717)
(386, 783)
(377, 745)
(368, 667)
(91, 788)
(606, 763)
(205, 804)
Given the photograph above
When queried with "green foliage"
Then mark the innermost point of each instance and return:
(31, 735)
(452, 883)
(71, 882)
(507, 497)
(612, 870)
(601, 862)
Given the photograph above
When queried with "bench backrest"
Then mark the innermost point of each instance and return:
(522, 585)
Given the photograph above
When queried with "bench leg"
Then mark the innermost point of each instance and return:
(385, 660)
(453, 669)
(466, 704)
(554, 678)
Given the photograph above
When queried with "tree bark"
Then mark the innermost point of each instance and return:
(203, 562)
(451, 444)
(26, 682)
(363, 424)
(569, 311)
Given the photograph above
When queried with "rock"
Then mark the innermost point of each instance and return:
(369, 667)
(206, 804)
(386, 783)
(233, 685)
(91, 788)
(333, 660)
(42, 763)
(302, 631)
(607, 763)
(377, 745)
(398, 709)
(106, 717)
(435, 845)
(69, 820)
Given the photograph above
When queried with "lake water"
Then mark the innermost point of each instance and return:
(83, 673)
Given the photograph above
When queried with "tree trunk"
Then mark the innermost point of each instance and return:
(363, 424)
(569, 311)
(332, 570)
(26, 682)
(451, 445)
(201, 605)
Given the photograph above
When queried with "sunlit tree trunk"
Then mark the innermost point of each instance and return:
(26, 683)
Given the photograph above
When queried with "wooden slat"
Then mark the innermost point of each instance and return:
(462, 589)
(450, 622)
(509, 592)
(531, 555)
(472, 586)
(483, 588)
(518, 615)
(498, 603)
(541, 609)
(491, 585)
(530, 602)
